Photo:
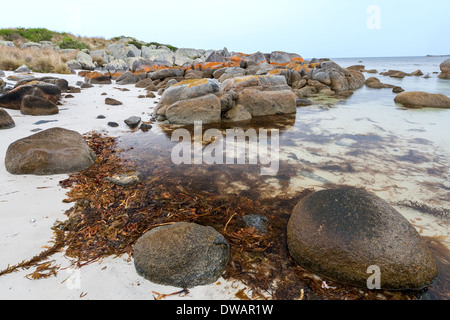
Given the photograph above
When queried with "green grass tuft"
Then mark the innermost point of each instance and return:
(69, 43)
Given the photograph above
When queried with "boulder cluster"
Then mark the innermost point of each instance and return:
(214, 86)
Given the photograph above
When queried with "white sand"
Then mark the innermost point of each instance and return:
(30, 205)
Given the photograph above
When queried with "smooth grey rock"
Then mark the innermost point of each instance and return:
(183, 255)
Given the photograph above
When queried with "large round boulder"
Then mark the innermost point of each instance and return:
(52, 151)
(183, 255)
(339, 234)
(418, 99)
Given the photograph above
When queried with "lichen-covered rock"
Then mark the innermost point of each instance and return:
(418, 99)
(52, 151)
(281, 58)
(96, 77)
(339, 233)
(183, 255)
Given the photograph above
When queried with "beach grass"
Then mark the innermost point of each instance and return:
(38, 60)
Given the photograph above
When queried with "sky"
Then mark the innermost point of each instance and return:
(313, 29)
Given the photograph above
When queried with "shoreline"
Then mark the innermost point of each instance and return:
(27, 231)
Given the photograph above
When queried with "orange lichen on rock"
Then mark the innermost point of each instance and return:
(314, 65)
(141, 71)
(191, 83)
(275, 71)
(115, 75)
(242, 79)
(299, 59)
(279, 64)
(83, 73)
(295, 65)
(236, 59)
(144, 68)
(93, 74)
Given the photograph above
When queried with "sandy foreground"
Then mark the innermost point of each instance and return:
(30, 205)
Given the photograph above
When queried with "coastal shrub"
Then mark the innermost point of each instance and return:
(136, 43)
(172, 48)
(69, 43)
(30, 34)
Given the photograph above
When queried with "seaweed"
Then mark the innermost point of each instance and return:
(436, 212)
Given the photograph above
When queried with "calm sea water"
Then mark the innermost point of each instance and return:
(402, 155)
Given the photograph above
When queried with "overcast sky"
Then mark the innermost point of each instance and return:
(318, 28)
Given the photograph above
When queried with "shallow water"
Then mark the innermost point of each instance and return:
(402, 155)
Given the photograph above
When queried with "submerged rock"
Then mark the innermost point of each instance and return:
(375, 83)
(124, 180)
(339, 233)
(53, 151)
(183, 255)
(418, 99)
